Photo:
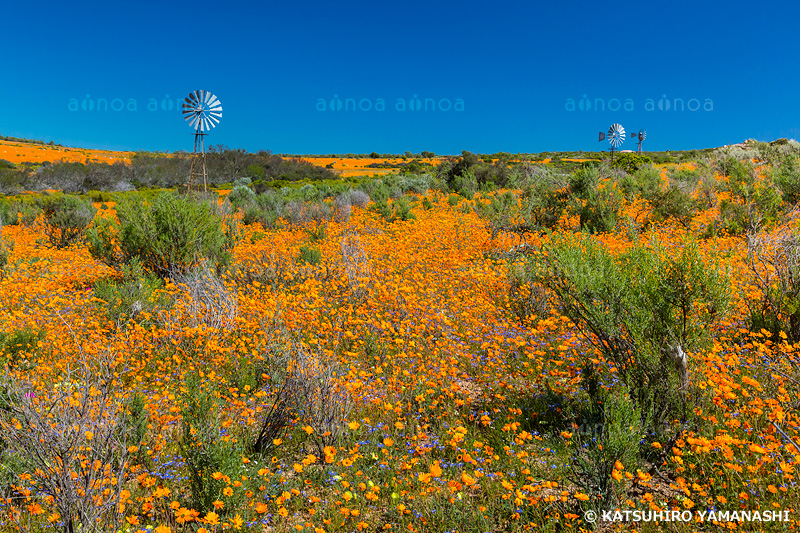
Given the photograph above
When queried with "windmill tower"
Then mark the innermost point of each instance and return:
(202, 110)
(642, 135)
(615, 136)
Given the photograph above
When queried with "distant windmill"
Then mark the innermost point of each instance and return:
(202, 110)
(642, 135)
(615, 136)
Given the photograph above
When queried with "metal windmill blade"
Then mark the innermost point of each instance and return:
(642, 135)
(616, 135)
(202, 110)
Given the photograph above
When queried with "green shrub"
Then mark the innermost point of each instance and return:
(266, 209)
(316, 234)
(465, 184)
(584, 181)
(645, 183)
(241, 194)
(543, 204)
(402, 209)
(618, 439)
(631, 162)
(310, 255)
(641, 309)
(673, 203)
(66, 218)
(786, 175)
(14, 345)
(5, 253)
(170, 236)
(206, 449)
(133, 296)
(754, 202)
(136, 421)
(5, 250)
(599, 211)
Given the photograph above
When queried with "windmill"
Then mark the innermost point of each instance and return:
(642, 135)
(202, 110)
(615, 136)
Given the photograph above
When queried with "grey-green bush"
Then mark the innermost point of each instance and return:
(638, 309)
(170, 236)
(132, 296)
(66, 218)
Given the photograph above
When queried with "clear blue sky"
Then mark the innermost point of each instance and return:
(512, 65)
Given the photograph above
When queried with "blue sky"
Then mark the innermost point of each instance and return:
(495, 76)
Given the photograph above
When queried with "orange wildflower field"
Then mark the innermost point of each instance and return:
(23, 152)
(439, 383)
(348, 167)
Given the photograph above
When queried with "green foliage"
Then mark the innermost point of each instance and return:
(635, 308)
(15, 345)
(136, 421)
(205, 447)
(135, 296)
(173, 234)
(5, 253)
(645, 182)
(673, 203)
(66, 218)
(310, 254)
(753, 203)
(316, 234)
(402, 209)
(266, 209)
(465, 184)
(786, 175)
(630, 162)
(241, 194)
(620, 433)
(543, 204)
(399, 209)
(584, 181)
(599, 211)
(14, 212)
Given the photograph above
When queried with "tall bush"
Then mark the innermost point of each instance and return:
(169, 236)
(643, 310)
(66, 218)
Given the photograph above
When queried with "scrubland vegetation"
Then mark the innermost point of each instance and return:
(493, 345)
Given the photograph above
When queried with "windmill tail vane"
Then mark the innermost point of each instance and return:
(202, 110)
